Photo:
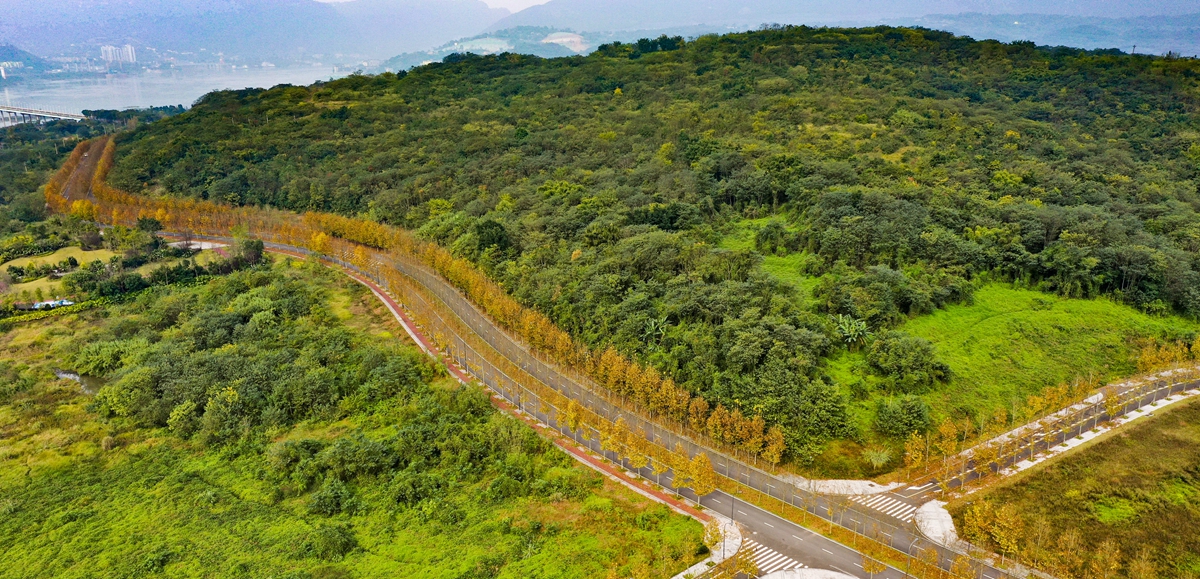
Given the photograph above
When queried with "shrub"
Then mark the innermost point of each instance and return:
(908, 364)
(329, 542)
(903, 416)
(332, 498)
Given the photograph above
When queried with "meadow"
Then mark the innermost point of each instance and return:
(1011, 343)
(1005, 344)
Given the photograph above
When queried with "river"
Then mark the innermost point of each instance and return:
(148, 88)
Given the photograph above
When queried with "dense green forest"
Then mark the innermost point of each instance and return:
(890, 172)
(272, 423)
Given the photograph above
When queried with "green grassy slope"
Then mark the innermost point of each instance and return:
(1011, 343)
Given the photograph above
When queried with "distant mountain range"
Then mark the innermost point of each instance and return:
(253, 31)
(15, 61)
(540, 41)
(247, 29)
(1150, 34)
(608, 15)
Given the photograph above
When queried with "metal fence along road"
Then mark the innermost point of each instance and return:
(476, 342)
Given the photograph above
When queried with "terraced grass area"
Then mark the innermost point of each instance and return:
(203, 258)
(52, 287)
(1138, 487)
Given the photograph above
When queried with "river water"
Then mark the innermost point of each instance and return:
(149, 88)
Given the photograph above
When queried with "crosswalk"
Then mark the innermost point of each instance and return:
(769, 561)
(887, 505)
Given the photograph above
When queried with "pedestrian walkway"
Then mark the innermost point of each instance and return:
(769, 561)
(887, 505)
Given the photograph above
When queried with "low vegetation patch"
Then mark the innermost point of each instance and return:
(1129, 504)
(258, 425)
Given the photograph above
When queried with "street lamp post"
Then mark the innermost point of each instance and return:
(908, 564)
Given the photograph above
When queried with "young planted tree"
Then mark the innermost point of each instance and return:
(947, 438)
(872, 566)
(773, 451)
(1106, 562)
(1068, 553)
(1008, 529)
(1142, 566)
(914, 451)
(746, 564)
(713, 535)
(977, 523)
(963, 568)
(704, 478)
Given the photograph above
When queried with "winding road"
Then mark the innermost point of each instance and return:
(476, 344)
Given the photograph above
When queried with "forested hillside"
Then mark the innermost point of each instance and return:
(901, 170)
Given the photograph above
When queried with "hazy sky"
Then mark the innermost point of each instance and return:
(512, 5)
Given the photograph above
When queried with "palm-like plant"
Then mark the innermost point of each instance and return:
(852, 330)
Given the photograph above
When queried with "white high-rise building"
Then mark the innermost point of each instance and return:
(112, 54)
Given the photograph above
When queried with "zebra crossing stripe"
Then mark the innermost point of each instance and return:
(887, 505)
(768, 560)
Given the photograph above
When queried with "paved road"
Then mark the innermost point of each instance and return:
(769, 530)
(79, 184)
(846, 513)
(1028, 443)
(891, 512)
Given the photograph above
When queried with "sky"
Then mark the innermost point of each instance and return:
(512, 5)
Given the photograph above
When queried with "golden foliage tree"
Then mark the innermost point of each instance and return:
(703, 477)
(775, 445)
(872, 566)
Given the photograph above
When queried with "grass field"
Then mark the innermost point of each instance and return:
(1007, 344)
(1138, 487)
(83, 256)
(203, 258)
(85, 497)
(52, 288)
(1011, 343)
(786, 268)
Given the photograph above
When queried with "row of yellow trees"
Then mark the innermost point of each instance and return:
(115, 207)
(657, 395)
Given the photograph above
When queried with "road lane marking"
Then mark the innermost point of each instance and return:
(887, 505)
(768, 560)
(826, 550)
(768, 524)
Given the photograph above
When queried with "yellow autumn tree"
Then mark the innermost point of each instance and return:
(698, 413)
(914, 451)
(703, 477)
(775, 445)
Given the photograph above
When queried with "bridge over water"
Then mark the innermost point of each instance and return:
(10, 116)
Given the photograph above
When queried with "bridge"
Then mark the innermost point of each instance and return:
(10, 116)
